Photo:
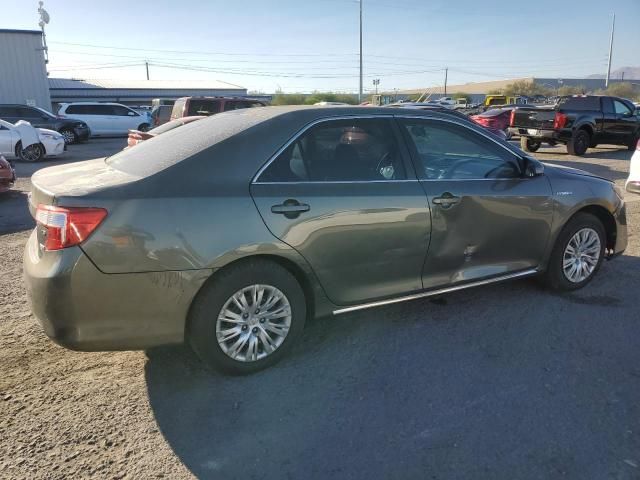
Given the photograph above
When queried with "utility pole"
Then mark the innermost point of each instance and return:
(146, 64)
(360, 89)
(613, 26)
(446, 74)
(376, 82)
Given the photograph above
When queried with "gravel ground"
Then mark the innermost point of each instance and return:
(497, 382)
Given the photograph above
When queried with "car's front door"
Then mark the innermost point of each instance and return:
(626, 121)
(344, 196)
(7, 140)
(487, 218)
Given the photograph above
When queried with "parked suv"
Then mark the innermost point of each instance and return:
(191, 106)
(579, 122)
(73, 130)
(106, 118)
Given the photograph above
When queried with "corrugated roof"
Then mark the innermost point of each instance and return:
(72, 84)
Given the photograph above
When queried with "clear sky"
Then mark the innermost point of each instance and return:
(298, 45)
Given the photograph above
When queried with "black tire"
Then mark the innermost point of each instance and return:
(69, 136)
(555, 277)
(529, 144)
(633, 143)
(144, 127)
(579, 143)
(31, 154)
(201, 332)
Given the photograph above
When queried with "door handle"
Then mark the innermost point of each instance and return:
(447, 200)
(290, 208)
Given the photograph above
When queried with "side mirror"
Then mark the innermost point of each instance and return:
(533, 168)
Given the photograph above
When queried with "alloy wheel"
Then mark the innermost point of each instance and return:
(253, 323)
(581, 255)
(69, 136)
(32, 153)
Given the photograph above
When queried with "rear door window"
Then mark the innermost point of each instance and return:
(120, 110)
(340, 151)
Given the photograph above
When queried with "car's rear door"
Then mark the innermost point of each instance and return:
(487, 218)
(343, 195)
(626, 121)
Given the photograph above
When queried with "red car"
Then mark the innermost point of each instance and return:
(496, 119)
(136, 136)
(7, 175)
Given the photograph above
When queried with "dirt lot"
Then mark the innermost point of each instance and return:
(498, 382)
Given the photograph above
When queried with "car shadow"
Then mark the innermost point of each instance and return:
(14, 212)
(483, 383)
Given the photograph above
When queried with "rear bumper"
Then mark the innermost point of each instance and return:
(81, 308)
(632, 186)
(7, 179)
(542, 135)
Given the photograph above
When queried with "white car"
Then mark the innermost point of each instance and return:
(633, 182)
(28, 143)
(106, 118)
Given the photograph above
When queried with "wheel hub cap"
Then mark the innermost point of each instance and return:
(581, 255)
(253, 323)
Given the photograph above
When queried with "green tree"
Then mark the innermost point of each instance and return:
(525, 87)
(572, 90)
(288, 99)
(623, 90)
(494, 91)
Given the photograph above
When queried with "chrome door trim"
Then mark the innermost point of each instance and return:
(440, 291)
(303, 130)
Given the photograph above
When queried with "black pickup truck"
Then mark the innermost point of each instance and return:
(579, 122)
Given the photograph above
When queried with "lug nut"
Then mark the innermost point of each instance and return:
(262, 320)
(254, 329)
(245, 315)
(244, 328)
(257, 310)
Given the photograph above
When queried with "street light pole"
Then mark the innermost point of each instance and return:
(613, 26)
(360, 89)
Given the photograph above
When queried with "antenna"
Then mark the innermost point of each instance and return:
(44, 20)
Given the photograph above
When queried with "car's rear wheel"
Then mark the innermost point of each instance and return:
(247, 317)
(529, 144)
(69, 136)
(577, 254)
(579, 143)
(33, 153)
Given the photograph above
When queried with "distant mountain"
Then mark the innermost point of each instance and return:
(631, 73)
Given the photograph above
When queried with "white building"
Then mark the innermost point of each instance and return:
(23, 73)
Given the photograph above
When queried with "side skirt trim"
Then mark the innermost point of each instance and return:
(440, 291)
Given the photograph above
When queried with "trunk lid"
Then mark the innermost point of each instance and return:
(67, 184)
(535, 118)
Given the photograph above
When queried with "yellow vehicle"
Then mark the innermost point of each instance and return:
(490, 100)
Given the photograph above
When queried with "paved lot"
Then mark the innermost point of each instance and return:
(500, 382)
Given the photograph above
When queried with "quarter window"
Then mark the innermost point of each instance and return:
(340, 150)
(445, 151)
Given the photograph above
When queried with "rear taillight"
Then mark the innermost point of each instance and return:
(512, 117)
(67, 226)
(559, 121)
(638, 145)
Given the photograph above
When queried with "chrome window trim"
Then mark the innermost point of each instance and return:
(330, 182)
(420, 116)
(439, 291)
(302, 131)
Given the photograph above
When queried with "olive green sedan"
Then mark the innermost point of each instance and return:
(232, 231)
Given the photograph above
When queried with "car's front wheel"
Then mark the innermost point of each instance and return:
(144, 127)
(577, 254)
(33, 153)
(69, 136)
(247, 317)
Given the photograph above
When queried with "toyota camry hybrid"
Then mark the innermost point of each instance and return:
(230, 232)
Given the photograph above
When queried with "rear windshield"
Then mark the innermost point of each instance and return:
(203, 107)
(174, 146)
(579, 103)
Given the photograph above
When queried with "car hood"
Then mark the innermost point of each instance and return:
(47, 131)
(563, 170)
